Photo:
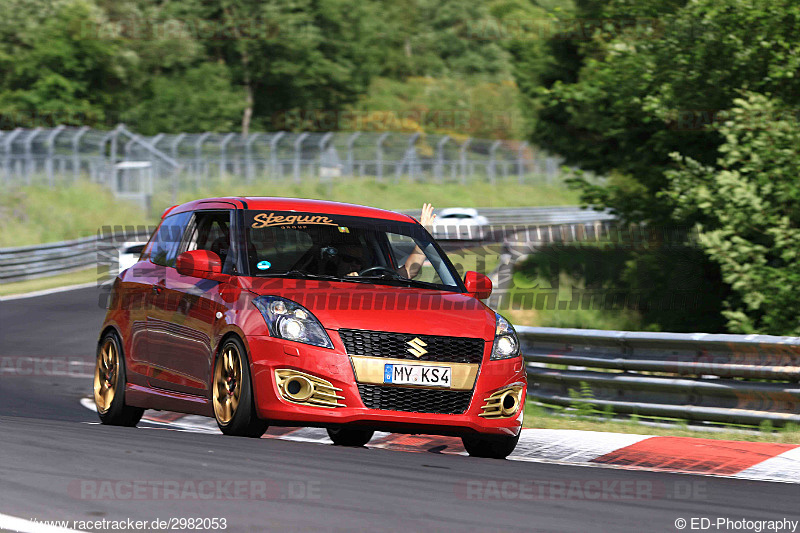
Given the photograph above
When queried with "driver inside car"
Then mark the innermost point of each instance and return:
(353, 256)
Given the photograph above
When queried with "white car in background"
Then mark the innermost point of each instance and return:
(129, 254)
(460, 223)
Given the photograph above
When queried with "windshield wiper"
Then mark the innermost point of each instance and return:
(298, 273)
(310, 275)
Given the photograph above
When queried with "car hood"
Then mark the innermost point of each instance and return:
(384, 308)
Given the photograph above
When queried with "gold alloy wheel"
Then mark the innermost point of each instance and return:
(105, 375)
(227, 383)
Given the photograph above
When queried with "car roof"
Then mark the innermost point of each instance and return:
(302, 205)
(459, 211)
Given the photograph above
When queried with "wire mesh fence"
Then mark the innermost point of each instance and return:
(134, 165)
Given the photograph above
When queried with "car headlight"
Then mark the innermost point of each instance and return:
(506, 342)
(291, 321)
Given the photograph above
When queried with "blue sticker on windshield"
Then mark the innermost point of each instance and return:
(263, 265)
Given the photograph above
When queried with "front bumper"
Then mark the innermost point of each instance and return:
(269, 354)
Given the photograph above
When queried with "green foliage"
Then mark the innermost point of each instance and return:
(432, 38)
(465, 106)
(637, 102)
(631, 96)
(51, 70)
(618, 285)
(223, 65)
(748, 205)
(172, 103)
(582, 401)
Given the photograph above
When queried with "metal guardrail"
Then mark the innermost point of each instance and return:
(539, 216)
(37, 261)
(739, 379)
(29, 262)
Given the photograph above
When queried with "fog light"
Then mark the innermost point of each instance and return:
(505, 402)
(509, 403)
(299, 388)
(307, 389)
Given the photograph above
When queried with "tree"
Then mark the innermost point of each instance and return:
(201, 98)
(53, 73)
(749, 205)
(648, 83)
(303, 54)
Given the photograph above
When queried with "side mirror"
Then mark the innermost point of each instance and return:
(199, 264)
(478, 285)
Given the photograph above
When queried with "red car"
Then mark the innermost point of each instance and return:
(294, 312)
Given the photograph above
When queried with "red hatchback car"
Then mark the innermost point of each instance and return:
(294, 312)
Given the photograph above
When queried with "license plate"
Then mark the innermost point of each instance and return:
(429, 376)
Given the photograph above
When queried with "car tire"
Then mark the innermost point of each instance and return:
(343, 436)
(232, 392)
(494, 447)
(109, 385)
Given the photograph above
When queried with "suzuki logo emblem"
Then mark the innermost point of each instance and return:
(417, 347)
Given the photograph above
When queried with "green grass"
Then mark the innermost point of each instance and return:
(51, 282)
(537, 416)
(37, 214)
(591, 318)
(390, 195)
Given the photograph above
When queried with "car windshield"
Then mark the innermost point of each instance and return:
(356, 249)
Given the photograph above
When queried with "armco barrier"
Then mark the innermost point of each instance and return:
(28, 262)
(740, 379)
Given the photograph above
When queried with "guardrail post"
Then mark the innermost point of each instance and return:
(248, 154)
(76, 158)
(321, 146)
(439, 169)
(1, 142)
(8, 138)
(113, 156)
(462, 154)
(521, 162)
(29, 162)
(223, 149)
(379, 155)
(51, 137)
(492, 161)
(273, 155)
(350, 157)
(198, 153)
(173, 146)
(298, 149)
(409, 158)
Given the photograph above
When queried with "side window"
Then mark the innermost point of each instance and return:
(211, 230)
(164, 247)
(402, 246)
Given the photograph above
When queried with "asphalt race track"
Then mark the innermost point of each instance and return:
(56, 462)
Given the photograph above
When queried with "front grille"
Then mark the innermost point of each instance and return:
(395, 345)
(445, 402)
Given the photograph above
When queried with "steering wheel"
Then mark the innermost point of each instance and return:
(376, 269)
